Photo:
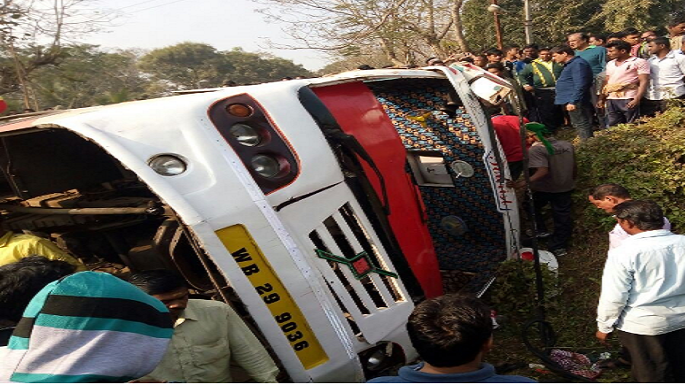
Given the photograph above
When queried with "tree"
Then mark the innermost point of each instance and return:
(196, 65)
(249, 68)
(87, 76)
(405, 30)
(553, 20)
(23, 24)
(186, 65)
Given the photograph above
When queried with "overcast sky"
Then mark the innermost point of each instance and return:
(224, 24)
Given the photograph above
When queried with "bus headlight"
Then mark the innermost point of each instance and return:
(266, 166)
(167, 165)
(245, 135)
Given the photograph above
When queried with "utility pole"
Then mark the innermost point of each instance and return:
(495, 8)
(528, 22)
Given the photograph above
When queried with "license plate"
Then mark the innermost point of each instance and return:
(266, 283)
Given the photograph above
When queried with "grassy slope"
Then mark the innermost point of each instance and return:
(647, 159)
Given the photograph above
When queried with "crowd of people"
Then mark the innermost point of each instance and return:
(596, 81)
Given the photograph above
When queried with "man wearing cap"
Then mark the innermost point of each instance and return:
(553, 173)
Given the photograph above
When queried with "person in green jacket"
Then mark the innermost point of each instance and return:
(539, 78)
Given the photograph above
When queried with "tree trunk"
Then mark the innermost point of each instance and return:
(458, 28)
(390, 53)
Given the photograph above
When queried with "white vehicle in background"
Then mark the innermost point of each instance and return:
(284, 199)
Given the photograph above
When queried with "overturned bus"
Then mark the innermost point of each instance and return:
(321, 209)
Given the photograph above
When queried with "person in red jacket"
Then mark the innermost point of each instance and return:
(508, 129)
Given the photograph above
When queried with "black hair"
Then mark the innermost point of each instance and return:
(365, 67)
(620, 45)
(467, 59)
(499, 66)
(563, 49)
(494, 51)
(662, 41)
(630, 31)
(604, 190)
(533, 46)
(545, 49)
(450, 330)
(599, 36)
(616, 35)
(677, 19)
(159, 281)
(645, 215)
(21, 281)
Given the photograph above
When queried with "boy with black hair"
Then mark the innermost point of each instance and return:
(597, 40)
(632, 37)
(207, 335)
(627, 80)
(19, 282)
(667, 71)
(676, 29)
(452, 334)
(494, 55)
(511, 58)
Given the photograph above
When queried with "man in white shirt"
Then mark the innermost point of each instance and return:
(643, 294)
(606, 197)
(667, 69)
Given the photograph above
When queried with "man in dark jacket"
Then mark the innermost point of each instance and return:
(573, 89)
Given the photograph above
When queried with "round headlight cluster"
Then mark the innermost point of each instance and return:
(245, 135)
(167, 165)
(267, 166)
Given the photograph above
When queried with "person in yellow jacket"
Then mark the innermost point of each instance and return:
(14, 247)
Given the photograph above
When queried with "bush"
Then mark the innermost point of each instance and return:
(646, 158)
(514, 292)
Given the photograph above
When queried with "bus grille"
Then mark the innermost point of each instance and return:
(343, 234)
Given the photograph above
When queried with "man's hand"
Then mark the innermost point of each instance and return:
(516, 184)
(633, 103)
(528, 88)
(601, 103)
(602, 337)
(570, 107)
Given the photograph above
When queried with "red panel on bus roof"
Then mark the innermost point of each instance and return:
(359, 113)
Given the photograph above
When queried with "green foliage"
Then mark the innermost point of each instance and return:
(87, 76)
(196, 65)
(514, 294)
(187, 65)
(648, 159)
(552, 20)
(84, 75)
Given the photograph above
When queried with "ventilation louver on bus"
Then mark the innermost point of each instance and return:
(359, 295)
